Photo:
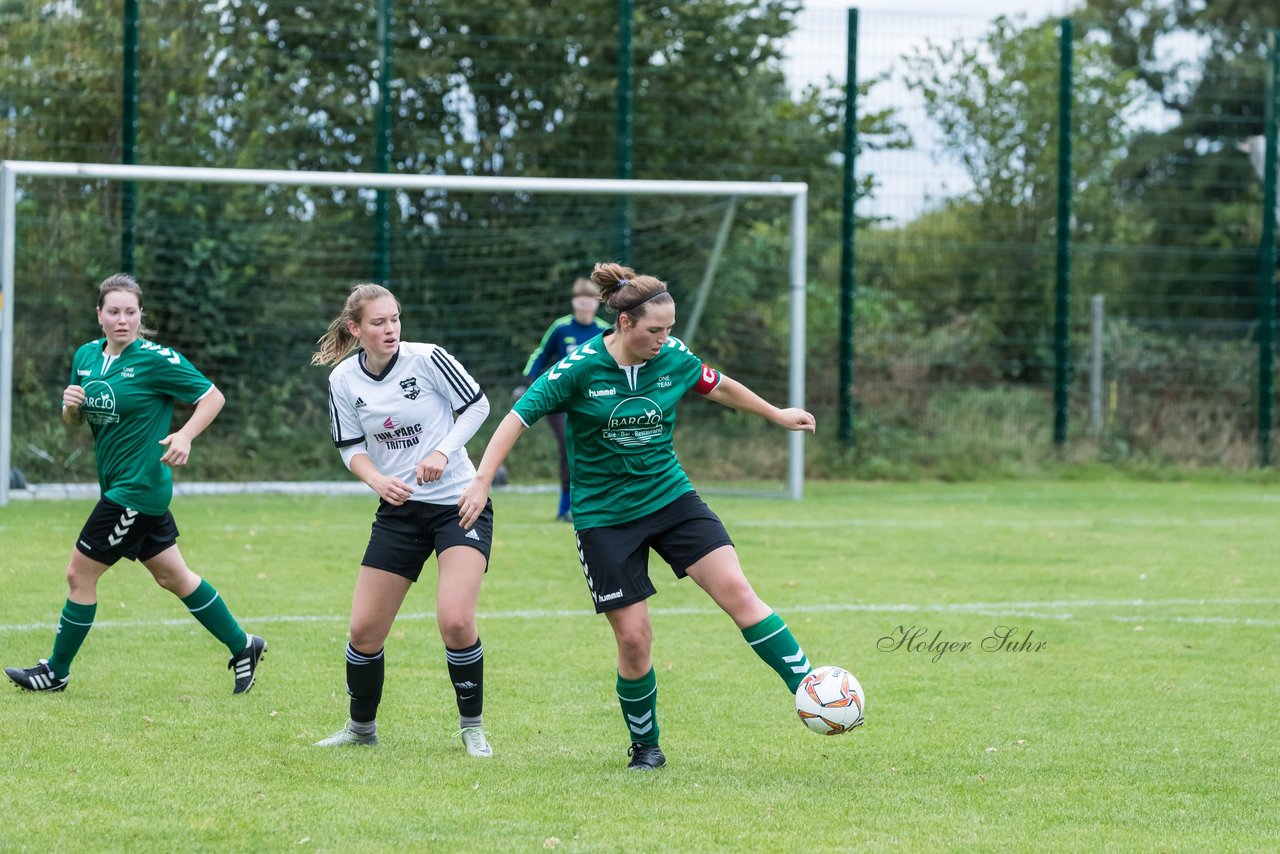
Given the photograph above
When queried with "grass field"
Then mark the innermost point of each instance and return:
(1147, 720)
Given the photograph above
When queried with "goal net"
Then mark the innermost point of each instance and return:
(242, 270)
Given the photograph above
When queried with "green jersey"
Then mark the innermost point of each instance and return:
(619, 427)
(129, 406)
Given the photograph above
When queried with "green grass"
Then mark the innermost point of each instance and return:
(1147, 722)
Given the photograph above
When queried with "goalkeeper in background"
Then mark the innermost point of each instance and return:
(630, 493)
(562, 336)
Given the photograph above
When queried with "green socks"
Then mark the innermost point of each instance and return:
(207, 606)
(204, 603)
(72, 628)
(639, 701)
(778, 648)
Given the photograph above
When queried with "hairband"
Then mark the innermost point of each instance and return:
(639, 303)
(623, 282)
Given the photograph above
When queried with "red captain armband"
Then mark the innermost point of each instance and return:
(708, 381)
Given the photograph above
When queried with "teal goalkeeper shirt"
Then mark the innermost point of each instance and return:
(129, 407)
(619, 426)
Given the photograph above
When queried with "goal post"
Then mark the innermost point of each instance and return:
(794, 192)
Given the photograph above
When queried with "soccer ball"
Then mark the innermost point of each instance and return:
(830, 701)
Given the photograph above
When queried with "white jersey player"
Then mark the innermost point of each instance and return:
(400, 414)
(403, 413)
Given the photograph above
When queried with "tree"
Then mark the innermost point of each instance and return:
(1205, 65)
(242, 278)
(996, 106)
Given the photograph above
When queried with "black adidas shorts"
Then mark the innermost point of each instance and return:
(615, 558)
(404, 537)
(113, 531)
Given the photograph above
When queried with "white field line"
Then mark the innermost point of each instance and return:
(1049, 610)
(85, 491)
(997, 524)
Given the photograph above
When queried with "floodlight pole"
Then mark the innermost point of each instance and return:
(623, 143)
(799, 228)
(848, 240)
(382, 206)
(1062, 283)
(1267, 259)
(8, 209)
(129, 136)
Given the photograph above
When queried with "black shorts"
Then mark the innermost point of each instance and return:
(404, 537)
(615, 558)
(113, 531)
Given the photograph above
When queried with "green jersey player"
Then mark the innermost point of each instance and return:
(125, 387)
(562, 337)
(629, 493)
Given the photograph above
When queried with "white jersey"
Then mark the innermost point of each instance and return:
(404, 413)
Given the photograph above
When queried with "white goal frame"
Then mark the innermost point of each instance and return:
(795, 191)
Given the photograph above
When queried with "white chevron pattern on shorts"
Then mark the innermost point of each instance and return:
(582, 559)
(125, 522)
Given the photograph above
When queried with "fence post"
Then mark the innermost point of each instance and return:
(129, 135)
(382, 210)
(626, 115)
(1267, 260)
(1062, 288)
(1096, 316)
(848, 225)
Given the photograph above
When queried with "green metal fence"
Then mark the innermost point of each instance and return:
(1002, 177)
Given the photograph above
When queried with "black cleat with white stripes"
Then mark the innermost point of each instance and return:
(38, 678)
(245, 663)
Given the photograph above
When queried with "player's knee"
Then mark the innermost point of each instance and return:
(367, 639)
(78, 580)
(634, 641)
(170, 580)
(457, 630)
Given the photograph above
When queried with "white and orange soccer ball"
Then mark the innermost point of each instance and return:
(830, 701)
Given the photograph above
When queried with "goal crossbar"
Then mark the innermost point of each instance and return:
(10, 170)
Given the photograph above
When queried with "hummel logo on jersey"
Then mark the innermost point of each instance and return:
(360, 404)
(472, 535)
(410, 388)
(604, 392)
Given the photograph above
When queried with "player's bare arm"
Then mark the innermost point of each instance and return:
(473, 499)
(735, 395)
(431, 467)
(178, 444)
(72, 400)
(392, 490)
